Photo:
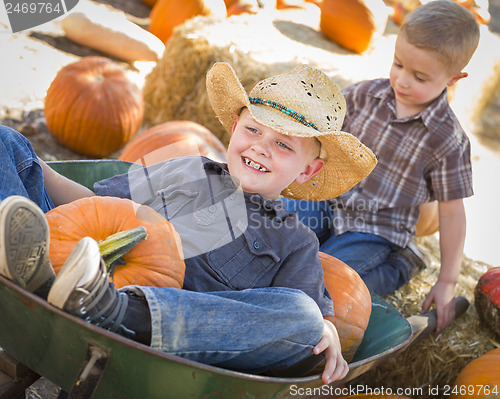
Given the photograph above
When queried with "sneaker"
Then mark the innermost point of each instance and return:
(83, 289)
(24, 245)
(416, 257)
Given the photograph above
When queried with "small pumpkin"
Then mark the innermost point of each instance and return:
(351, 302)
(92, 107)
(315, 2)
(480, 379)
(171, 140)
(156, 261)
(487, 300)
(167, 14)
(353, 23)
(237, 7)
(290, 4)
(478, 8)
(428, 220)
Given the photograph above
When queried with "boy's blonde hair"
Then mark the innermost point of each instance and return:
(445, 27)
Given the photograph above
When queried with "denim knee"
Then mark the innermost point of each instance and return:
(308, 322)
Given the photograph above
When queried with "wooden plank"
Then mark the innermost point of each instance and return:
(12, 389)
(12, 367)
(15, 377)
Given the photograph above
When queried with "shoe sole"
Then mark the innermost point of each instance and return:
(24, 243)
(81, 266)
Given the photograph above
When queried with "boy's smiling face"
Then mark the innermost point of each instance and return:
(266, 161)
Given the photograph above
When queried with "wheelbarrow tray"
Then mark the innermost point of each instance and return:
(61, 347)
(57, 346)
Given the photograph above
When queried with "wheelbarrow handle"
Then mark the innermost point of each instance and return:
(424, 324)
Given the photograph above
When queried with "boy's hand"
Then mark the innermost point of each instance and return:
(442, 294)
(336, 367)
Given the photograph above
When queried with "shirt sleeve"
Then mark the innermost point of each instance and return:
(116, 186)
(143, 183)
(452, 178)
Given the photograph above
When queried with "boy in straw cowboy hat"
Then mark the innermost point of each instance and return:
(424, 156)
(254, 296)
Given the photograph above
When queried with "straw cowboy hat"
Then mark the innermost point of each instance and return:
(303, 102)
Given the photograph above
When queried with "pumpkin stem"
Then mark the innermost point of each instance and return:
(116, 245)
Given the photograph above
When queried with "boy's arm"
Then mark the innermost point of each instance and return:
(452, 238)
(336, 367)
(61, 189)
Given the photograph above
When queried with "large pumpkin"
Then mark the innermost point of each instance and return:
(353, 23)
(167, 14)
(156, 261)
(351, 302)
(92, 107)
(173, 139)
(480, 379)
(487, 300)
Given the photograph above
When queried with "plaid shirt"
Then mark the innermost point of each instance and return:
(421, 158)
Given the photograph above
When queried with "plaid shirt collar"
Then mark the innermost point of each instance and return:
(431, 116)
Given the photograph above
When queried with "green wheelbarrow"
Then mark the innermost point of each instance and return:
(89, 362)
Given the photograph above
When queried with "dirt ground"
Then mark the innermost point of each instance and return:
(34, 57)
(31, 59)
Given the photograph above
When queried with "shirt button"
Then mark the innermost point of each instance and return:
(232, 196)
(212, 208)
(256, 245)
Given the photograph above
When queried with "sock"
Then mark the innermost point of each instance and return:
(138, 319)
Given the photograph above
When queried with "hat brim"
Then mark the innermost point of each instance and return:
(348, 161)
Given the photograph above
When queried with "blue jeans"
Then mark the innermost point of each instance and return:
(377, 260)
(20, 170)
(251, 330)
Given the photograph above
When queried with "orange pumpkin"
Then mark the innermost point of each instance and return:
(315, 2)
(428, 221)
(92, 107)
(353, 23)
(167, 14)
(351, 302)
(237, 7)
(288, 4)
(156, 261)
(480, 379)
(478, 8)
(171, 140)
(487, 300)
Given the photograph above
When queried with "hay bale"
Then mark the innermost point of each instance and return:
(271, 42)
(471, 96)
(257, 46)
(437, 359)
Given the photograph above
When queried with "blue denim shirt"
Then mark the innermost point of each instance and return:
(231, 240)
